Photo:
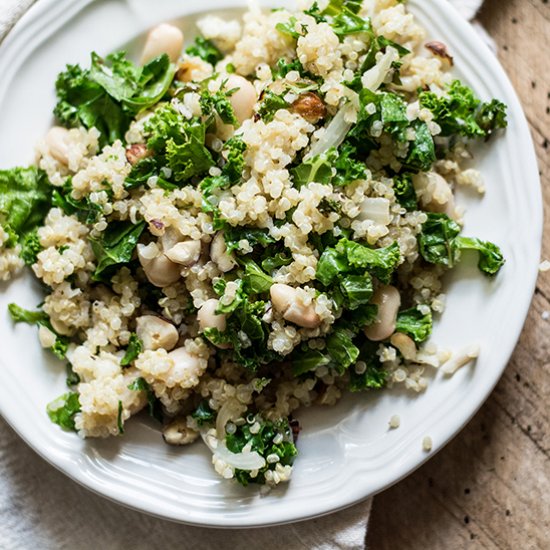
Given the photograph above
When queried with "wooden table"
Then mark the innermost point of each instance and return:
(490, 487)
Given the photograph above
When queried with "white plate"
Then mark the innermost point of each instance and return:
(347, 452)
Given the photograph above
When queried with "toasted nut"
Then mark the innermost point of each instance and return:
(136, 152)
(440, 50)
(208, 318)
(163, 39)
(244, 98)
(159, 270)
(311, 107)
(156, 333)
(405, 344)
(388, 300)
(186, 253)
(56, 141)
(178, 433)
(218, 252)
(285, 300)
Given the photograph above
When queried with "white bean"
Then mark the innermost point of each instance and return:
(285, 300)
(160, 271)
(186, 253)
(163, 39)
(388, 300)
(156, 333)
(208, 318)
(56, 141)
(244, 99)
(218, 252)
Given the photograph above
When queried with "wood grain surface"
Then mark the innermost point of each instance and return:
(490, 487)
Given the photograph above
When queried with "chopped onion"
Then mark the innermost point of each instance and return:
(230, 410)
(335, 132)
(376, 209)
(374, 77)
(250, 460)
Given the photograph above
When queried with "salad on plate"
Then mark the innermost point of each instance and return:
(255, 222)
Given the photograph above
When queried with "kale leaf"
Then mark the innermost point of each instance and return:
(109, 94)
(206, 50)
(63, 410)
(153, 403)
(25, 199)
(115, 247)
(135, 347)
(203, 414)
(416, 324)
(440, 243)
(272, 438)
(337, 167)
(39, 318)
(460, 112)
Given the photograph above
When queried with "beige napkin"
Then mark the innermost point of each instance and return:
(41, 508)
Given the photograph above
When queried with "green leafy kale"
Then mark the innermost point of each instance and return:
(336, 167)
(390, 110)
(254, 236)
(341, 348)
(63, 410)
(245, 336)
(115, 247)
(263, 442)
(342, 15)
(309, 360)
(255, 280)
(203, 414)
(374, 376)
(289, 28)
(404, 192)
(380, 262)
(180, 142)
(206, 50)
(135, 347)
(270, 104)
(39, 318)
(110, 93)
(422, 150)
(73, 378)
(210, 188)
(30, 247)
(234, 164)
(377, 44)
(460, 112)
(153, 403)
(119, 421)
(416, 324)
(84, 209)
(25, 199)
(219, 102)
(440, 243)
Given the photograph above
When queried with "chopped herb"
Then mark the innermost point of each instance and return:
(206, 50)
(135, 346)
(63, 410)
(115, 247)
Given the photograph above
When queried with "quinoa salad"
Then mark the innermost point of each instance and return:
(249, 221)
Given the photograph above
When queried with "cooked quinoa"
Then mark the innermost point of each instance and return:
(252, 225)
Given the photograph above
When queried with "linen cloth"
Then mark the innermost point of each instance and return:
(41, 508)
